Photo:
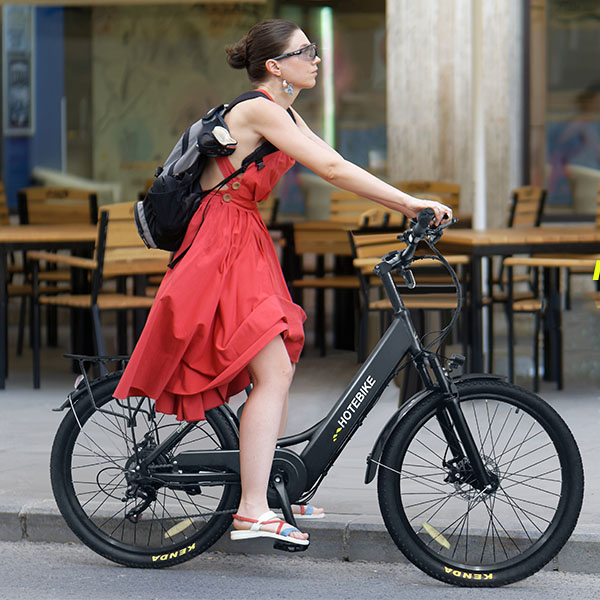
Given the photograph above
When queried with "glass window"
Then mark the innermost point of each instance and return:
(116, 85)
(573, 103)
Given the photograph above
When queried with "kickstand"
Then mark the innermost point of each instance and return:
(288, 515)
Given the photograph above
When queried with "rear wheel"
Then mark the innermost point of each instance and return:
(127, 519)
(459, 534)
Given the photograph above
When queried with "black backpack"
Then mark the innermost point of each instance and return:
(163, 216)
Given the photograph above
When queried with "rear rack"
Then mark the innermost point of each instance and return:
(101, 361)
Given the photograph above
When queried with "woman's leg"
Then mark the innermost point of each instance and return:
(295, 507)
(262, 418)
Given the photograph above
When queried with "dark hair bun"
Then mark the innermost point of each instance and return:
(237, 54)
(264, 41)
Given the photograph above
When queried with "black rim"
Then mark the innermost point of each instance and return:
(457, 524)
(96, 476)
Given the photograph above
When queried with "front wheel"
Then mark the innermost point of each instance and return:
(459, 534)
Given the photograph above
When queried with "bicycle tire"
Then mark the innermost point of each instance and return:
(89, 456)
(512, 535)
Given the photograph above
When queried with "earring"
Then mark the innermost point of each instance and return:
(288, 88)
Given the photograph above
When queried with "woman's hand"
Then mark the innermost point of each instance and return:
(414, 205)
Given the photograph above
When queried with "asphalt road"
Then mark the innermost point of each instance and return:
(31, 571)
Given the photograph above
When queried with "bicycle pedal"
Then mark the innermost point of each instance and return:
(289, 546)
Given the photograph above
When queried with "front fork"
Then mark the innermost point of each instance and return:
(450, 416)
(454, 425)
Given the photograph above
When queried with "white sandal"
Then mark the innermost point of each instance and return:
(269, 518)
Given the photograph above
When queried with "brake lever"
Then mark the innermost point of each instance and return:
(452, 221)
(409, 278)
(435, 233)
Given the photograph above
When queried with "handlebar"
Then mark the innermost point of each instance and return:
(421, 230)
(423, 221)
(401, 261)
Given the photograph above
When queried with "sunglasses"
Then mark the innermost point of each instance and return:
(308, 52)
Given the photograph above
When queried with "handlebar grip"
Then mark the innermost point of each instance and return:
(424, 218)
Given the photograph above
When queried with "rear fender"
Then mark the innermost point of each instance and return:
(81, 391)
(375, 456)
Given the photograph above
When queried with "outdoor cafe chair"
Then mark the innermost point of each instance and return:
(320, 243)
(119, 252)
(544, 305)
(526, 209)
(49, 205)
(581, 269)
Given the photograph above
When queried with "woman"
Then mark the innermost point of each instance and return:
(203, 344)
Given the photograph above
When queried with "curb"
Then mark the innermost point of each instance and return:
(339, 537)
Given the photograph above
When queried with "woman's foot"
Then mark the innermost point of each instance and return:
(307, 511)
(265, 525)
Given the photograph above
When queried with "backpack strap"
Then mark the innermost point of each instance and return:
(185, 142)
(256, 157)
(254, 94)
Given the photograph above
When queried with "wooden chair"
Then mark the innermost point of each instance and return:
(441, 191)
(14, 289)
(320, 243)
(527, 206)
(542, 306)
(46, 205)
(377, 218)
(581, 269)
(119, 252)
(368, 249)
(347, 207)
(526, 209)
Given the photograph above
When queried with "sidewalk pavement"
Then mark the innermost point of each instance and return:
(353, 529)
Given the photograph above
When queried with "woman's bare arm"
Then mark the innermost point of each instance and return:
(273, 123)
(309, 133)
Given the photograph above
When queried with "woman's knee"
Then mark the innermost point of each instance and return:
(278, 375)
(272, 366)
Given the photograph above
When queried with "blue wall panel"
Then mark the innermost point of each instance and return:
(43, 149)
(49, 88)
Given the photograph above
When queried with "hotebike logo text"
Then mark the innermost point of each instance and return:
(597, 271)
(356, 401)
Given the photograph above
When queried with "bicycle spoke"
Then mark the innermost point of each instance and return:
(430, 450)
(489, 429)
(437, 511)
(533, 465)
(478, 429)
(526, 513)
(533, 487)
(527, 454)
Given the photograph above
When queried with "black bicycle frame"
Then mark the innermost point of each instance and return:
(327, 438)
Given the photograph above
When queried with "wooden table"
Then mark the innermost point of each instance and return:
(35, 237)
(571, 239)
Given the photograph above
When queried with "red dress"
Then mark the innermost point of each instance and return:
(219, 306)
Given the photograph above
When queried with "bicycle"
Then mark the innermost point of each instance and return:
(480, 482)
